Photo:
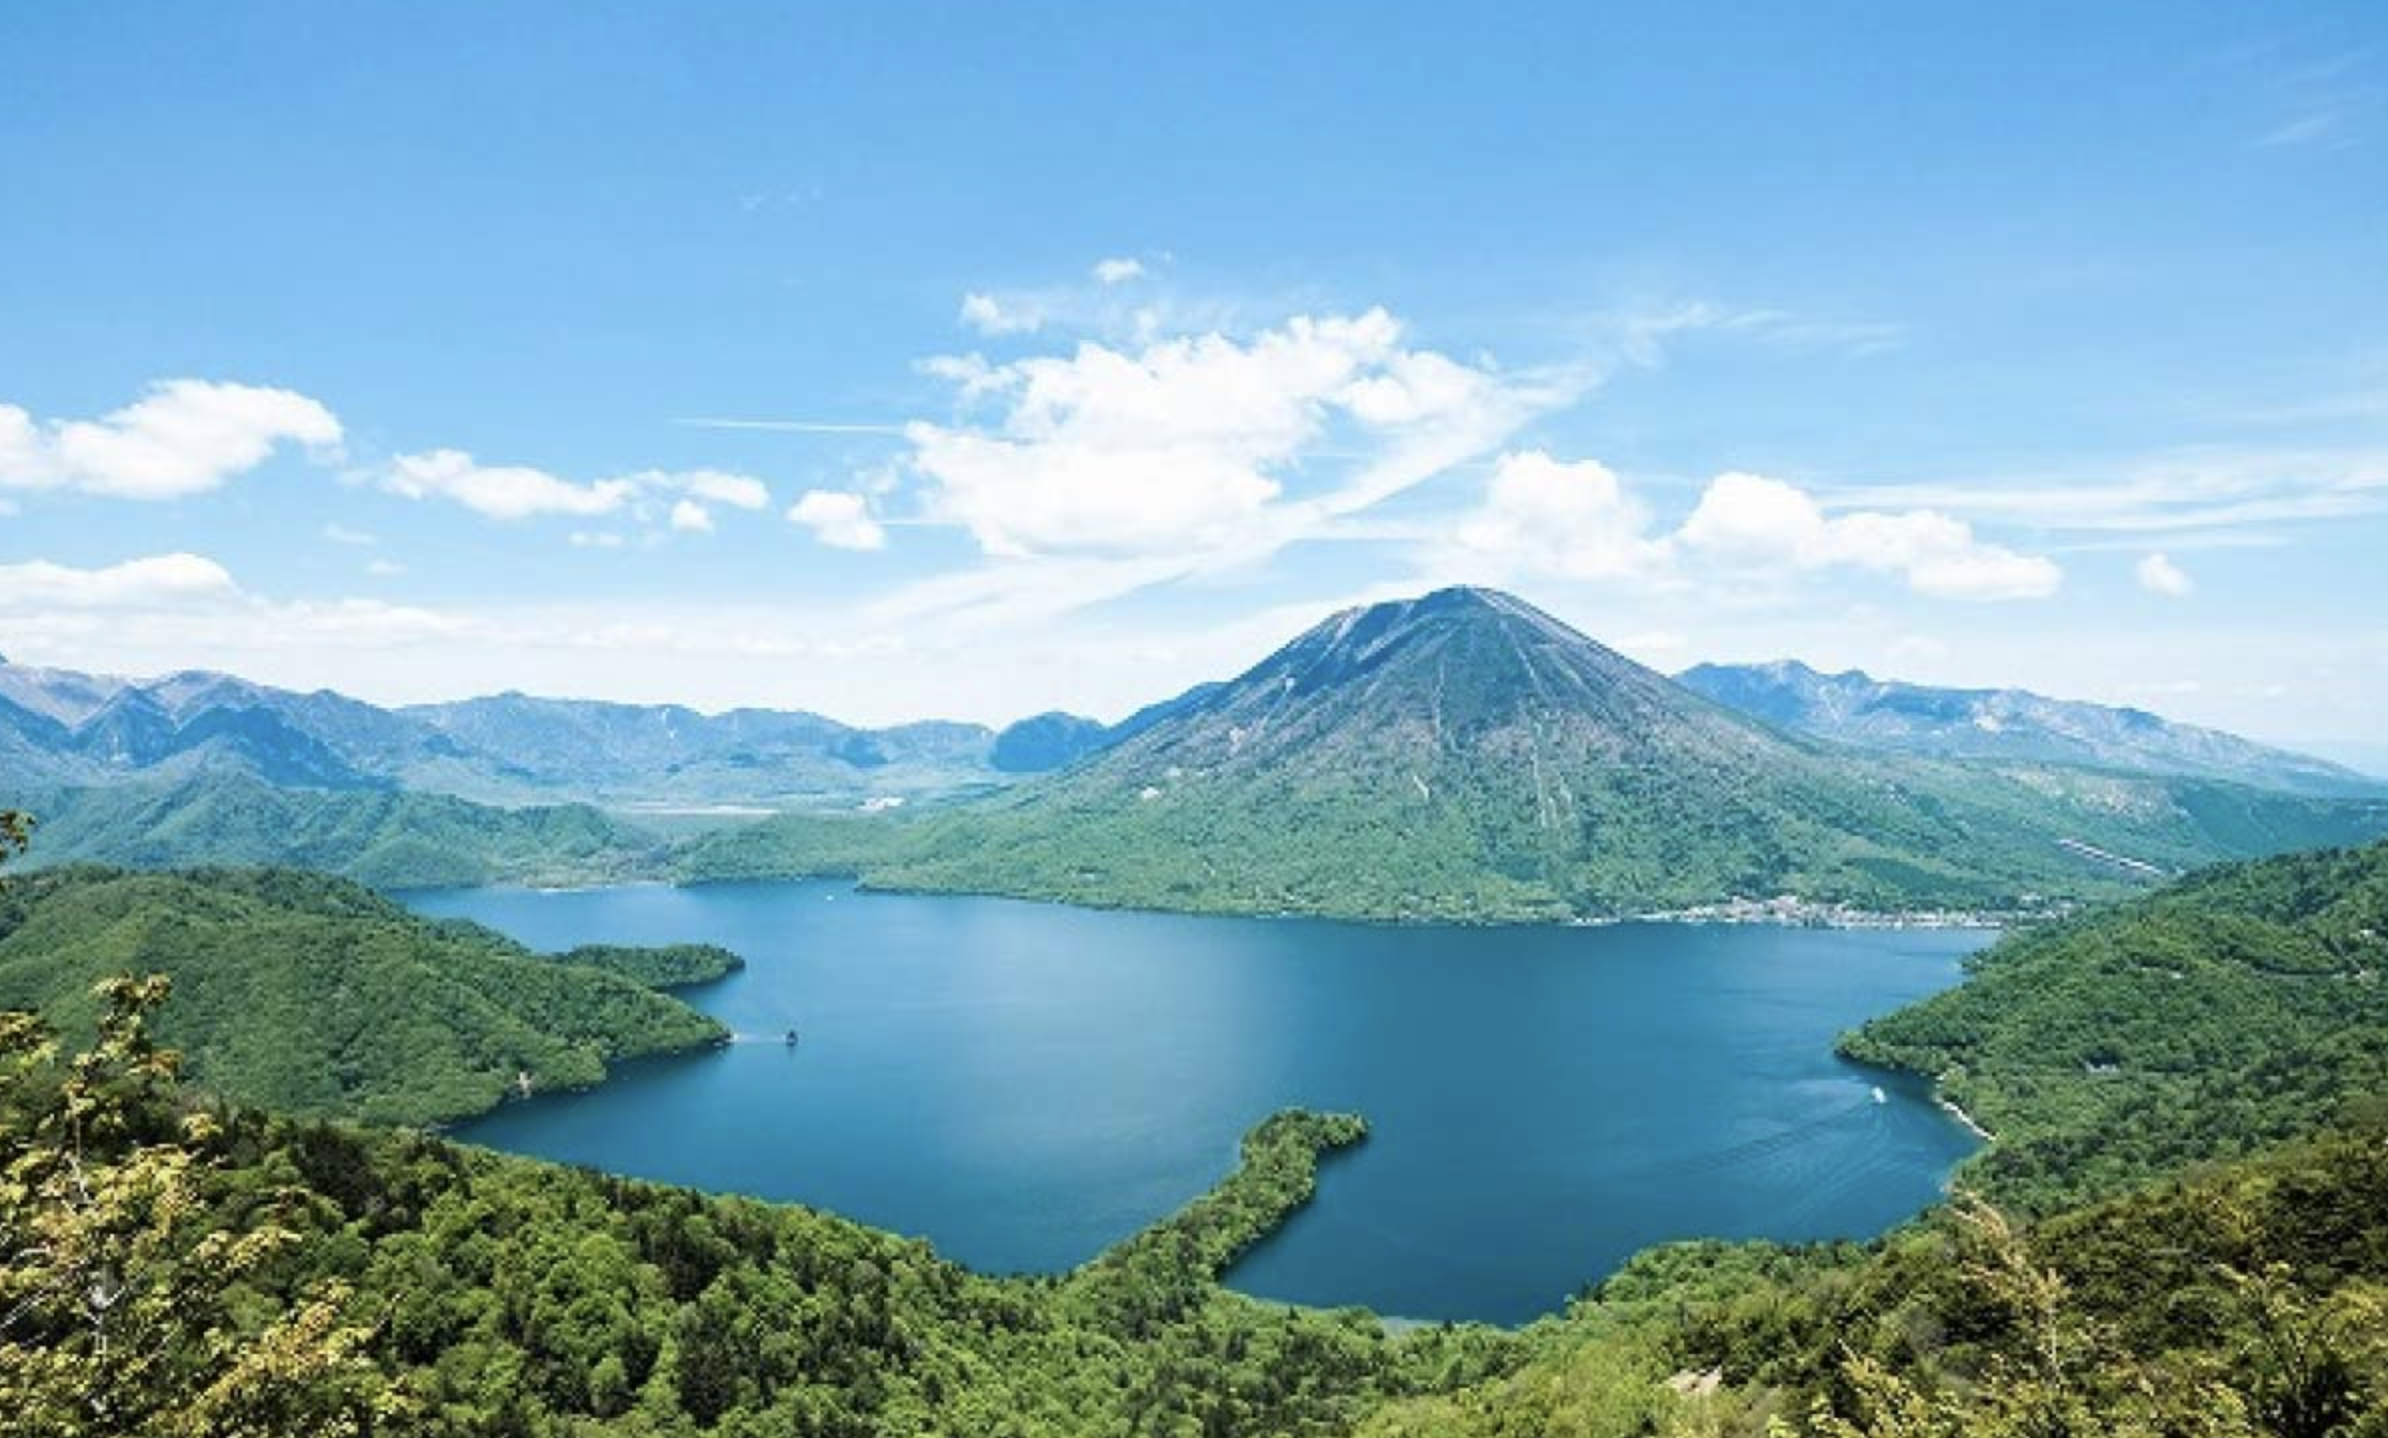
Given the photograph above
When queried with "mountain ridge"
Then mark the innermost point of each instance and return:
(1466, 755)
(60, 726)
(1853, 707)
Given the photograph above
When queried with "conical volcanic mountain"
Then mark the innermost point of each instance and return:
(1466, 755)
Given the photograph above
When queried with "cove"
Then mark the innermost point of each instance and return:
(1025, 1084)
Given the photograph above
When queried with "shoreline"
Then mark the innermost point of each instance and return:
(1950, 1107)
(1786, 911)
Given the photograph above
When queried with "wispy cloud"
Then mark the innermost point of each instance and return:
(2306, 100)
(789, 426)
(2191, 489)
(521, 492)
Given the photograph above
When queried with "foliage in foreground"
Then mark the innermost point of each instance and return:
(2248, 1300)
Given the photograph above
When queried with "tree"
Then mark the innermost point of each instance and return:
(114, 1312)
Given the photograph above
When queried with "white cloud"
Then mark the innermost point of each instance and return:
(2159, 575)
(355, 538)
(595, 539)
(384, 568)
(735, 490)
(991, 316)
(183, 437)
(502, 491)
(1182, 444)
(839, 520)
(513, 492)
(1118, 271)
(1574, 520)
(690, 517)
(135, 583)
(1754, 522)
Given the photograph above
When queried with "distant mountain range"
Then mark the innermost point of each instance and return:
(59, 727)
(1465, 755)
(1458, 755)
(1857, 709)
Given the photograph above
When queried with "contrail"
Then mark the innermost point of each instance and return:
(789, 426)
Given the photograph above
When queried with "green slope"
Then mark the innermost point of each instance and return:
(385, 838)
(2232, 1009)
(1466, 756)
(311, 995)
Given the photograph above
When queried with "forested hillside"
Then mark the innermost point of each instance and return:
(315, 996)
(2233, 1009)
(389, 839)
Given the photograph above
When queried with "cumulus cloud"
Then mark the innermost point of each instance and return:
(1752, 521)
(161, 579)
(1544, 516)
(2159, 575)
(1118, 271)
(513, 492)
(1182, 444)
(183, 437)
(690, 517)
(839, 520)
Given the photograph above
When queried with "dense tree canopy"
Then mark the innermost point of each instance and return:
(315, 996)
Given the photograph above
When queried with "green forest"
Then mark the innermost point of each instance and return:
(314, 996)
(195, 1253)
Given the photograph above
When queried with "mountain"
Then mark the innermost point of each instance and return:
(60, 727)
(316, 996)
(1854, 708)
(665, 754)
(1045, 742)
(1465, 755)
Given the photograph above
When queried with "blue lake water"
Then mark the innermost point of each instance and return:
(1025, 1084)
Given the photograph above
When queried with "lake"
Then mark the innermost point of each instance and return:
(1025, 1084)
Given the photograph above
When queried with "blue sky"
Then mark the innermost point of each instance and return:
(1069, 354)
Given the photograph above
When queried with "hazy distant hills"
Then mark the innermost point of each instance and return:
(1856, 709)
(59, 727)
(1466, 755)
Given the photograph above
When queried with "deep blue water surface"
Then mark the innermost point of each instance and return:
(1025, 1084)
